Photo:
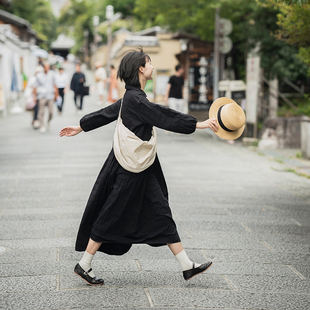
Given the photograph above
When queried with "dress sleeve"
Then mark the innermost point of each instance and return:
(101, 117)
(165, 118)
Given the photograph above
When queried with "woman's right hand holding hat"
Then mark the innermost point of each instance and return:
(209, 123)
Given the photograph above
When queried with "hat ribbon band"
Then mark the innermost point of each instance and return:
(220, 120)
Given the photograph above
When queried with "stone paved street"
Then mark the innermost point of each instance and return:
(231, 206)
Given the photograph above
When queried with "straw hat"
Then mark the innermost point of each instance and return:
(230, 118)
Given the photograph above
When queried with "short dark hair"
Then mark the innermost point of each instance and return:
(178, 67)
(128, 70)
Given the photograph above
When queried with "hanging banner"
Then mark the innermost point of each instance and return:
(252, 88)
(200, 82)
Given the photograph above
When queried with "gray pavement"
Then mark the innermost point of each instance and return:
(231, 205)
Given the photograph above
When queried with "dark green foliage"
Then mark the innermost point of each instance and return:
(40, 15)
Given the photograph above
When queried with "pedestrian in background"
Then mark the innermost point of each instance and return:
(46, 92)
(77, 83)
(32, 103)
(174, 92)
(129, 205)
(113, 88)
(101, 79)
(61, 83)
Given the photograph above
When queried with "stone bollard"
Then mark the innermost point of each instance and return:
(305, 137)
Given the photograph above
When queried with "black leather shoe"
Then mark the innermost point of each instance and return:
(188, 274)
(86, 277)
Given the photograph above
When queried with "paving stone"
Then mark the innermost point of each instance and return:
(303, 270)
(147, 279)
(37, 224)
(9, 234)
(28, 255)
(33, 283)
(263, 256)
(253, 269)
(76, 299)
(27, 217)
(219, 243)
(270, 284)
(64, 267)
(227, 299)
(38, 243)
(290, 247)
(279, 229)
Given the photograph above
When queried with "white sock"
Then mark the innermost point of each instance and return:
(184, 261)
(85, 263)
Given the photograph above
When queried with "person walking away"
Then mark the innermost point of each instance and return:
(113, 89)
(129, 204)
(77, 82)
(101, 79)
(32, 103)
(174, 92)
(46, 93)
(61, 83)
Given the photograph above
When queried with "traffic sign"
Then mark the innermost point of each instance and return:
(225, 45)
(226, 26)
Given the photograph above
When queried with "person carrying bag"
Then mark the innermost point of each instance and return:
(129, 201)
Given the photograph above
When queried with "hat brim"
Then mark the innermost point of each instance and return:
(222, 133)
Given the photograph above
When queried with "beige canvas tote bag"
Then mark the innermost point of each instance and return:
(132, 153)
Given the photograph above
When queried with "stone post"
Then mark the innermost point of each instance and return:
(305, 137)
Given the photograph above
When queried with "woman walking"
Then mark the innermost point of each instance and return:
(126, 206)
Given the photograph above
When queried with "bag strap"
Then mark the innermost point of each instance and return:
(119, 114)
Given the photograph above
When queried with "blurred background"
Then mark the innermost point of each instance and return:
(255, 52)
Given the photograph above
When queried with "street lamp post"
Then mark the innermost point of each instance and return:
(86, 54)
(216, 54)
(109, 15)
(95, 24)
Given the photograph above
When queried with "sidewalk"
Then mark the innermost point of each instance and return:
(231, 206)
(290, 159)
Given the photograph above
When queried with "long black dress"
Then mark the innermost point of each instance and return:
(124, 207)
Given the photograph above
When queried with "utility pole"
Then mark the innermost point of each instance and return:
(86, 52)
(109, 15)
(216, 54)
(95, 24)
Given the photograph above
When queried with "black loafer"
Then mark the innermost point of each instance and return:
(188, 274)
(86, 277)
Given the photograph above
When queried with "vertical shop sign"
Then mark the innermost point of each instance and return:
(200, 82)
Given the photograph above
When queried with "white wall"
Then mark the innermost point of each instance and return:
(11, 51)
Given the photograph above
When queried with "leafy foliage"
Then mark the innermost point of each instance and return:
(40, 15)
(195, 16)
(294, 23)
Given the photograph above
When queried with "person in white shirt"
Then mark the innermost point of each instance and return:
(61, 80)
(100, 77)
(46, 92)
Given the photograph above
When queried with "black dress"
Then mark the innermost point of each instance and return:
(124, 207)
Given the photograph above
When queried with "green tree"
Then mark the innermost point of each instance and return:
(256, 24)
(40, 15)
(252, 23)
(294, 23)
(195, 16)
(75, 18)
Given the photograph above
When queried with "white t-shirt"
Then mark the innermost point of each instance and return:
(61, 80)
(101, 74)
(45, 85)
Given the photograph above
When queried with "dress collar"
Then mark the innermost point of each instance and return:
(129, 87)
